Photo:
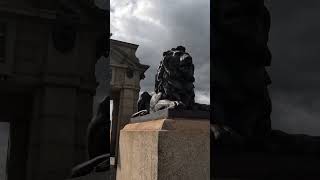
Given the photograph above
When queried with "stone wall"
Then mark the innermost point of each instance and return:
(61, 86)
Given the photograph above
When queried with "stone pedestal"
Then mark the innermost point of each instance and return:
(165, 147)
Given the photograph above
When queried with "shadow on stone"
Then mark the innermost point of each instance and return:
(98, 143)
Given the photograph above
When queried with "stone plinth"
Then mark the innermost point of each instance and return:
(170, 147)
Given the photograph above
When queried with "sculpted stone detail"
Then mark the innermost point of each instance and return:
(174, 80)
(144, 101)
(173, 85)
(130, 73)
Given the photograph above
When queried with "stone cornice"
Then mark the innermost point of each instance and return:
(141, 68)
(126, 44)
(136, 65)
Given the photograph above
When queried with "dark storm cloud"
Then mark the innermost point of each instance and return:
(295, 69)
(160, 25)
(296, 112)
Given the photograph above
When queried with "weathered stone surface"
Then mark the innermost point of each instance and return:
(165, 149)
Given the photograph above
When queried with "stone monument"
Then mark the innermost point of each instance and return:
(241, 103)
(243, 144)
(168, 138)
(242, 106)
(174, 87)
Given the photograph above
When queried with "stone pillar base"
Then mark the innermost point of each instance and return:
(165, 149)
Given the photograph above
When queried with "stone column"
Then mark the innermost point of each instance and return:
(114, 131)
(53, 143)
(135, 100)
(126, 108)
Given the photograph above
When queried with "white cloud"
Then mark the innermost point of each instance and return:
(202, 97)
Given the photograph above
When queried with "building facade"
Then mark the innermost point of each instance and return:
(48, 52)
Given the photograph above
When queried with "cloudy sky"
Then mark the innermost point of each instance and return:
(295, 69)
(159, 25)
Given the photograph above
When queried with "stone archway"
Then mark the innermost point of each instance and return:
(125, 86)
